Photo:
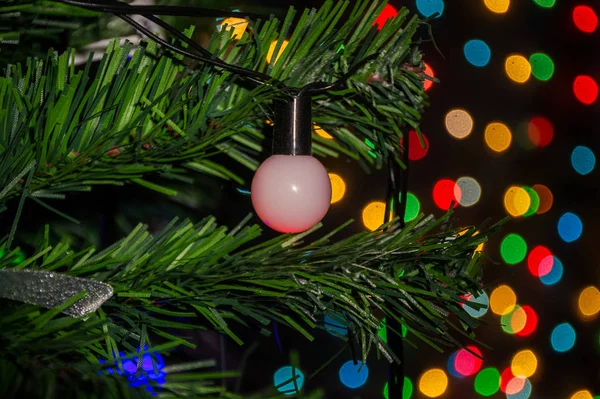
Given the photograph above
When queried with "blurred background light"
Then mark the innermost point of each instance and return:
(429, 72)
(540, 131)
(524, 364)
(584, 394)
(428, 8)
(585, 18)
(589, 301)
(477, 52)
(505, 378)
(545, 3)
(546, 198)
(513, 249)
(467, 364)
(444, 192)
(354, 375)
(570, 227)
(286, 373)
(583, 160)
(407, 389)
(534, 261)
(452, 366)
(459, 123)
(519, 388)
(373, 214)
(482, 299)
(338, 187)
(534, 201)
(516, 201)
(467, 191)
(388, 12)
(503, 300)
(272, 47)
(413, 207)
(336, 324)
(585, 89)
(531, 322)
(433, 383)
(542, 66)
(238, 25)
(517, 68)
(415, 150)
(487, 382)
(497, 6)
(497, 136)
(556, 270)
(514, 321)
(319, 131)
(563, 337)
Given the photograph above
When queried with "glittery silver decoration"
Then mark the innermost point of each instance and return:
(51, 289)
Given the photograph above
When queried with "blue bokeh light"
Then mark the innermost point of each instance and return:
(583, 160)
(354, 375)
(482, 299)
(284, 374)
(452, 368)
(563, 337)
(555, 273)
(524, 393)
(477, 52)
(151, 370)
(570, 227)
(336, 325)
(429, 7)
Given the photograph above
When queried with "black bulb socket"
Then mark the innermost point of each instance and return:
(292, 133)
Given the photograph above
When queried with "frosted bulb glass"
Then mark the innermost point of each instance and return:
(291, 194)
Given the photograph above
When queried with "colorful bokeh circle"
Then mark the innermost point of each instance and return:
(477, 52)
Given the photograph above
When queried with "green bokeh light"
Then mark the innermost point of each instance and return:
(18, 260)
(407, 390)
(542, 66)
(413, 207)
(535, 201)
(513, 249)
(487, 382)
(506, 321)
(382, 332)
(545, 3)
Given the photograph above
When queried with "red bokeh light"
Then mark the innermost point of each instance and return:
(506, 377)
(546, 265)
(415, 150)
(429, 72)
(466, 363)
(444, 193)
(585, 19)
(535, 258)
(585, 89)
(387, 13)
(531, 324)
(540, 131)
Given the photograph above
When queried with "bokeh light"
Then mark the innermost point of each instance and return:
(517, 68)
(319, 131)
(497, 6)
(513, 249)
(534, 201)
(583, 160)
(503, 300)
(545, 3)
(563, 337)
(452, 368)
(524, 364)
(584, 394)
(335, 324)
(589, 301)
(585, 89)
(429, 72)
(477, 52)
(556, 270)
(516, 201)
(373, 215)
(540, 131)
(382, 332)
(286, 373)
(482, 299)
(514, 322)
(505, 378)
(354, 375)
(570, 227)
(585, 18)
(444, 193)
(271, 50)
(546, 198)
(518, 388)
(487, 382)
(497, 136)
(388, 12)
(407, 389)
(467, 191)
(466, 363)
(459, 123)
(433, 383)
(415, 150)
(428, 8)
(238, 25)
(534, 261)
(542, 66)
(531, 322)
(338, 187)
(413, 207)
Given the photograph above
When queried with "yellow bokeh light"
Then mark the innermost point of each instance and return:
(524, 364)
(373, 215)
(272, 50)
(516, 201)
(319, 130)
(338, 187)
(238, 25)
(503, 300)
(497, 6)
(585, 394)
(518, 68)
(459, 123)
(589, 301)
(497, 136)
(433, 383)
(479, 247)
(518, 320)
